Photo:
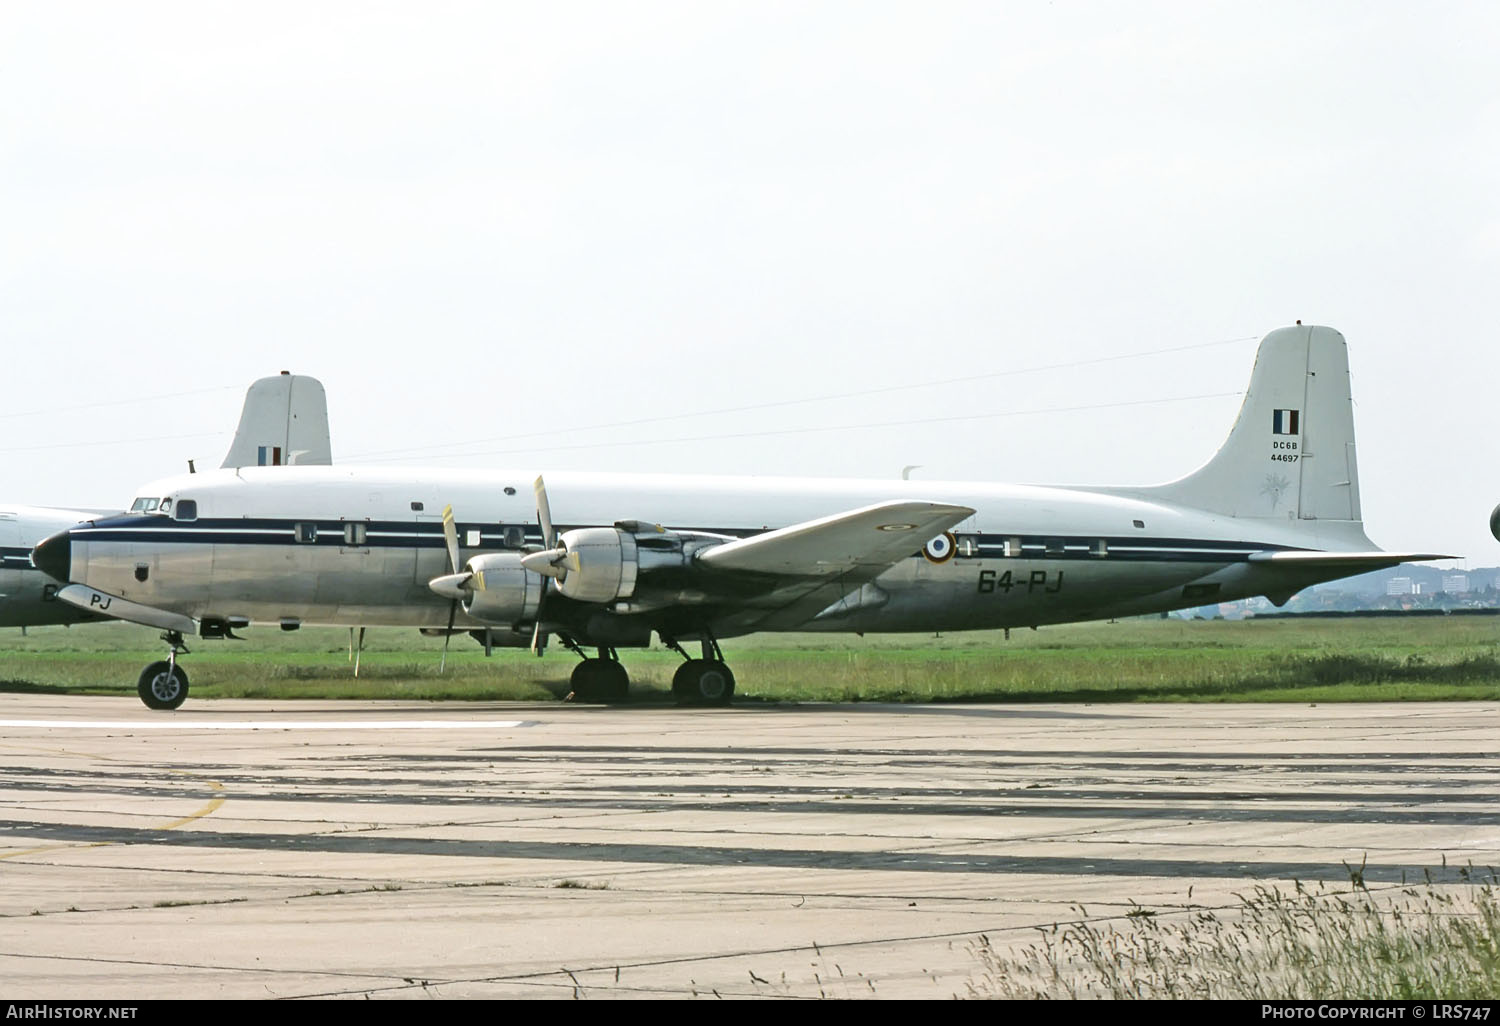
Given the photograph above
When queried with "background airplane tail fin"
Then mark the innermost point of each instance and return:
(285, 421)
(1290, 455)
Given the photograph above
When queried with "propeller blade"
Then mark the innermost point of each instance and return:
(538, 635)
(544, 514)
(543, 562)
(447, 637)
(450, 535)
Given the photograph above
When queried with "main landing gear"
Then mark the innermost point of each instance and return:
(599, 680)
(164, 684)
(705, 681)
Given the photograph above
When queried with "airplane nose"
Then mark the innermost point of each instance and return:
(54, 556)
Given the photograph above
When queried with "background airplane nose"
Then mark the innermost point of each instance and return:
(54, 556)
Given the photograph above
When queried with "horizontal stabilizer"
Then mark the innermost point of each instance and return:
(874, 536)
(95, 601)
(1352, 562)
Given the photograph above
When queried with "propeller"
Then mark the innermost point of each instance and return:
(544, 513)
(455, 585)
(460, 583)
(549, 541)
(552, 560)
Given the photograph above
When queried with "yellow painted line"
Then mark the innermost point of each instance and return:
(208, 809)
(211, 807)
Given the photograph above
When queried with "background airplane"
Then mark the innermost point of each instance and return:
(1275, 510)
(284, 422)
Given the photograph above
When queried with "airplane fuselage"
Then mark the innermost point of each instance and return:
(28, 597)
(351, 546)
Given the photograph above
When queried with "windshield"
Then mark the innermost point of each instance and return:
(144, 505)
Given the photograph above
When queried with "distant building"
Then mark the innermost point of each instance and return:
(1399, 586)
(1455, 584)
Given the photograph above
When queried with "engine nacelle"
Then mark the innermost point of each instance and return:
(503, 591)
(604, 565)
(601, 564)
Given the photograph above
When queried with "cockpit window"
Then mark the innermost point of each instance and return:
(144, 505)
(187, 509)
(166, 506)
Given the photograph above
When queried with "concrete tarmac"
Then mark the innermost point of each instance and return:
(246, 849)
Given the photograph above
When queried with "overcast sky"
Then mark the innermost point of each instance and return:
(617, 235)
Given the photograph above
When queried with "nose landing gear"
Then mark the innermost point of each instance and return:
(164, 684)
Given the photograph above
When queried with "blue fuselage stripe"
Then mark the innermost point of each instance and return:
(429, 535)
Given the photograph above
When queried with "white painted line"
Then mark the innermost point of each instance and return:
(271, 724)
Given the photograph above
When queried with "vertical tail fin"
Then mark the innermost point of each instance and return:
(1290, 455)
(285, 421)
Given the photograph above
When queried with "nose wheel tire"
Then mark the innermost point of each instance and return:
(703, 682)
(163, 685)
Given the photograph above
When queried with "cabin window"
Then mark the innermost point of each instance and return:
(1013, 547)
(305, 532)
(1101, 548)
(968, 545)
(1054, 547)
(187, 509)
(515, 537)
(472, 538)
(355, 533)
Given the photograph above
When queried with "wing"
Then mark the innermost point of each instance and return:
(788, 576)
(873, 537)
(680, 581)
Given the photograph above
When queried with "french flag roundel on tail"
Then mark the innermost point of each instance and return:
(1284, 422)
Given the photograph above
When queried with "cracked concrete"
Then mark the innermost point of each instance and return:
(324, 849)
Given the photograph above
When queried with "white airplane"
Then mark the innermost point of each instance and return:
(284, 421)
(604, 560)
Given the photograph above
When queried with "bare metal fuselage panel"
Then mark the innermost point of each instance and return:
(333, 547)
